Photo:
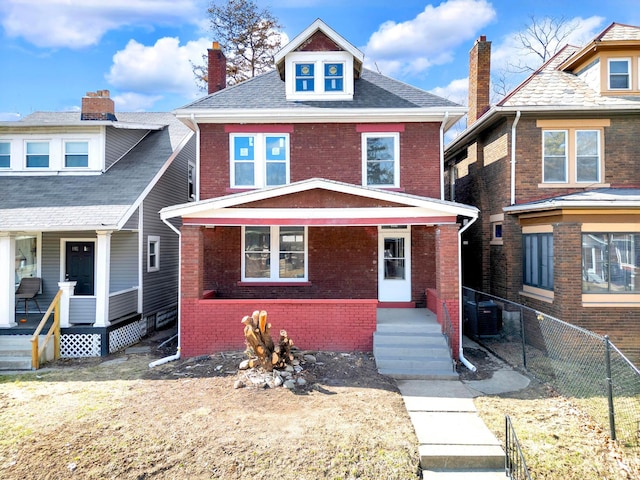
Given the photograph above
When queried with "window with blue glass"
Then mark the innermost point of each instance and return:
(76, 154)
(333, 77)
(305, 77)
(259, 160)
(538, 260)
(37, 154)
(5, 154)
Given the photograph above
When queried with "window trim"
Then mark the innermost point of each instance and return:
(319, 60)
(27, 154)
(66, 141)
(191, 181)
(396, 153)
(539, 265)
(260, 160)
(496, 221)
(274, 254)
(566, 156)
(153, 240)
(629, 62)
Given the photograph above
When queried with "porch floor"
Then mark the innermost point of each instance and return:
(29, 325)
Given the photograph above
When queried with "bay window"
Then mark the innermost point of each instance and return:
(538, 260)
(610, 262)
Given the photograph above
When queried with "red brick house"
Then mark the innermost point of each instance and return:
(318, 198)
(553, 168)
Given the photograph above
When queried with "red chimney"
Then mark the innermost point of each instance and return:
(479, 79)
(97, 106)
(217, 69)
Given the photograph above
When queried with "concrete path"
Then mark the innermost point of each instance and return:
(454, 443)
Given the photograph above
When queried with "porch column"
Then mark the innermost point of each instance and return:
(67, 292)
(7, 280)
(103, 271)
(447, 278)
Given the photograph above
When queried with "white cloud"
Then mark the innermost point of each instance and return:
(135, 102)
(413, 46)
(81, 23)
(457, 91)
(9, 117)
(163, 68)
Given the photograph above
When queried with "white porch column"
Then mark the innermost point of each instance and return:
(7, 280)
(67, 292)
(103, 270)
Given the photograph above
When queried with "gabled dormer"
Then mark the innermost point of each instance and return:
(319, 65)
(610, 63)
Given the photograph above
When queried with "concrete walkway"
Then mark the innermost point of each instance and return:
(454, 442)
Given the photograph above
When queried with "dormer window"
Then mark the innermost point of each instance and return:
(37, 155)
(319, 76)
(619, 74)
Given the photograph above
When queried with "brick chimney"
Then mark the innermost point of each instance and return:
(98, 106)
(217, 69)
(479, 79)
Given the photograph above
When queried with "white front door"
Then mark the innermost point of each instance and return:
(394, 260)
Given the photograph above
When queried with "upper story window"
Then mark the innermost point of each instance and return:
(259, 160)
(319, 76)
(76, 154)
(619, 73)
(191, 181)
(5, 155)
(573, 155)
(37, 154)
(153, 253)
(381, 159)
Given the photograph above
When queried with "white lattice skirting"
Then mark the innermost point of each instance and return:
(80, 345)
(127, 335)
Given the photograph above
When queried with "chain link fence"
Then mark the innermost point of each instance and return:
(577, 363)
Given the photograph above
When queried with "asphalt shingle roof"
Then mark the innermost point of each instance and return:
(372, 90)
(48, 202)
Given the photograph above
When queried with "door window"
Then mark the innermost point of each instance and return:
(394, 259)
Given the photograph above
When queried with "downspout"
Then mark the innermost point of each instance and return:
(464, 361)
(444, 121)
(513, 158)
(175, 356)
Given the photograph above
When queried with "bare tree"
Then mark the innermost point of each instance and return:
(249, 37)
(538, 42)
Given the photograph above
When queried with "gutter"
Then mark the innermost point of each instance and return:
(513, 157)
(175, 356)
(442, 125)
(464, 361)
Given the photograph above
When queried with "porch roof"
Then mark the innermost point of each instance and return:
(601, 198)
(397, 208)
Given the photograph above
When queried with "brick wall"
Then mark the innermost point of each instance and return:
(447, 287)
(331, 151)
(209, 326)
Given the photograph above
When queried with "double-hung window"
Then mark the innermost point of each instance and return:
(305, 77)
(619, 74)
(37, 154)
(572, 156)
(274, 254)
(76, 154)
(381, 159)
(259, 160)
(5, 154)
(611, 262)
(538, 260)
(153, 253)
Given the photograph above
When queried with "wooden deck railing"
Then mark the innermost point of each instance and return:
(54, 331)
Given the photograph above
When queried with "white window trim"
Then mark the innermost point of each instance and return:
(191, 181)
(274, 252)
(64, 153)
(26, 154)
(396, 153)
(319, 59)
(575, 155)
(571, 155)
(7, 141)
(153, 239)
(260, 159)
(629, 63)
(566, 155)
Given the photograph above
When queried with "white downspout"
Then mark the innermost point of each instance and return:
(444, 121)
(175, 356)
(513, 158)
(464, 361)
(196, 187)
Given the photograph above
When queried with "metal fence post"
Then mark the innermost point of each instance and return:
(612, 415)
(524, 349)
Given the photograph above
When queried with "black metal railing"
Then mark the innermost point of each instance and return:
(514, 463)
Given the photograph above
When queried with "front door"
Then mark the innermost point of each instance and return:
(80, 262)
(394, 260)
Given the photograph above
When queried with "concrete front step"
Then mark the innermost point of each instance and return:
(461, 457)
(464, 475)
(411, 351)
(400, 364)
(15, 352)
(419, 339)
(15, 362)
(420, 374)
(413, 328)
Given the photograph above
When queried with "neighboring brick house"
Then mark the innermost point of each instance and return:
(81, 192)
(319, 198)
(553, 168)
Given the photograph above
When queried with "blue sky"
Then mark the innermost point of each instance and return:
(54, 51)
